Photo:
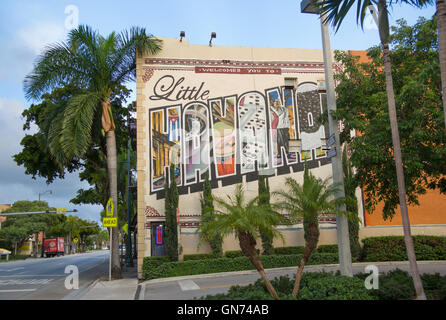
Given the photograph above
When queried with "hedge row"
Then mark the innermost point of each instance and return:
(314, 286)
(395, 285)
(393, 248)
(153, 269)
(389, 248)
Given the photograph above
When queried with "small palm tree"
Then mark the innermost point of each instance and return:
(98, 66)
(315, 197)
(246, 219)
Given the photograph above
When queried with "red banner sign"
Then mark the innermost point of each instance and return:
(227, 70)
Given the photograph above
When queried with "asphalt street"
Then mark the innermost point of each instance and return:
(194, 287)
(44, 278)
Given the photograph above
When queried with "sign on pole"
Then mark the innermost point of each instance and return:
(61, 209)
(75, 240)
(109, 208)
(331, 153)
(331, 140)
(110, 222)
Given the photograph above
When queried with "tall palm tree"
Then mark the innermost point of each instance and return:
(98, 66)
(245, 219)
(315, 197)
(334, 11)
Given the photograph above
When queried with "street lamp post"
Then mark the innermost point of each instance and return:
(345, 260)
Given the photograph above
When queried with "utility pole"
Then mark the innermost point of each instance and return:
(128, 251)
(345, 259)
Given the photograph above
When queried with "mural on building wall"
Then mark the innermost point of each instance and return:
(224, 136)
(196, 141)
(253, 131)
(309, 108)
(236, 135)
(166, 149)
(282, 126)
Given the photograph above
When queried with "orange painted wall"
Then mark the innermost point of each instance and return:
(432, 208)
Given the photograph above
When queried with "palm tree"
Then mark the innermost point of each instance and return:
(246, 219)
(98, 66)
(315, 197)
(334, 11)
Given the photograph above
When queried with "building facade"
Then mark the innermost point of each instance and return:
(230, 112)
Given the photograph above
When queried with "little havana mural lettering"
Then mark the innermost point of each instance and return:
(234, 135)
(169, 89)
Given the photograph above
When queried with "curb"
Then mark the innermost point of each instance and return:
(272, 270)
(78, 294)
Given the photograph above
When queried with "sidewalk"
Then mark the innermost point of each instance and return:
(129, 289)
(122, 289)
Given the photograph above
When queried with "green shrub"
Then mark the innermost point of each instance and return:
(233, 254)
(162, 269)
(328, 286)
(395, 285)
(327, 248)
(314, 286)
(289, 250)
(198, 256)
(151, 264)
(393, 248)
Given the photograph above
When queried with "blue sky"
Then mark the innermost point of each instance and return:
(27, 26)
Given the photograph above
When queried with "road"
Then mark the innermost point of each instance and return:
(192, 287)
(44, 278)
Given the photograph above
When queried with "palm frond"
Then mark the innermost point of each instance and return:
(78, 119)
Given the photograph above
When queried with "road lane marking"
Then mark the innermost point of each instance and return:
(187, 285)
(24, 281)
(15, 269)
(17, 290)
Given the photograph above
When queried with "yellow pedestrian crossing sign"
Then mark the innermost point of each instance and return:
(110, 222)
(75, 240)
(109, 208)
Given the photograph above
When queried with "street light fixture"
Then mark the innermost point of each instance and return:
(345, 260)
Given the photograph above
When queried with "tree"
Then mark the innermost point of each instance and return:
(208, 216)
(350, 185)
(334, 11)
(315, 197)
(99, 66)
(264, 199)
(246, 219)
(171, 206)
(18, 229)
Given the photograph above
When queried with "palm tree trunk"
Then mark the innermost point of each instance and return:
(310, 245)
(248, 246)
(441, 24)
(113, 178)
(400, 175)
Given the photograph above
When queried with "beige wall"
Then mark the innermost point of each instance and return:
(180, 59)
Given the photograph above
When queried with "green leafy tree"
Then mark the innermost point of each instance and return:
(18, 229)
(246, 219)
(264, 199)
(99, 66)
(315, 197)
(334, 11)
(171, 206)
(350, 185)
(208, 216)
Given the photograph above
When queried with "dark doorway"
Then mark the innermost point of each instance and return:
(158, 241)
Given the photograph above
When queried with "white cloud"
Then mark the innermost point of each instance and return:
(24, 45)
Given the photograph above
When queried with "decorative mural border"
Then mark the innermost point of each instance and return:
(238, 63)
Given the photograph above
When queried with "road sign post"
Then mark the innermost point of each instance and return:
(111, 222)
